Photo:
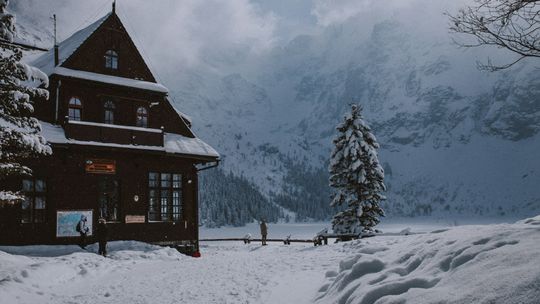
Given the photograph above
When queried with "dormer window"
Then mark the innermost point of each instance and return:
(142, 117)
(108, 112)
(111, 60)
(75, 109)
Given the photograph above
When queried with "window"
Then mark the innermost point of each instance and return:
(111, 60)
(35, 202)
(75, 109)
(108, 108)
(142, 117)
(165, 196)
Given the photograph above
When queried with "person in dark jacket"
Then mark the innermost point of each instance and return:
(264, 232)
(101, 234)
(83, 230)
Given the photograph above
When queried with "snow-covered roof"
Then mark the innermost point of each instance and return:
(97, 124)
(182, 114)
(67, 47)
(173, 143)
(115, 80)
(176, 143)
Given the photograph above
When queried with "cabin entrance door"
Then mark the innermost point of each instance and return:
(108, 199)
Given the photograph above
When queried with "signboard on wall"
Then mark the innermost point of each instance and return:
(66, 222)
(135, 219)
(100, 166)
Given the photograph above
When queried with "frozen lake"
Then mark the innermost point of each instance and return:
(308, 230)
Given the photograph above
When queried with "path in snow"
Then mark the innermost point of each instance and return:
(227, 273)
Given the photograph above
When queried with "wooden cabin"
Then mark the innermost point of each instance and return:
(121, 150)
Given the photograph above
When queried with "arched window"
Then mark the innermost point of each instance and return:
(108, 108)
(75, 109)
(111, 60)
(142, 117)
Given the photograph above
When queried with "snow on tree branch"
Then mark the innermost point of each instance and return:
(356, 175)
(20, 85)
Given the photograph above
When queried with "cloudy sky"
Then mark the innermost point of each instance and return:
(192, 33)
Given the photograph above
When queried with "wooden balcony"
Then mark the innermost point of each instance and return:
(116, 134)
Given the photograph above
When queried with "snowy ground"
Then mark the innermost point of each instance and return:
(465, 264)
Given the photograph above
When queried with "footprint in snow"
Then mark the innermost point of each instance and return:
(482, 241)
(431, 241)
(83, 270)
(439, 231)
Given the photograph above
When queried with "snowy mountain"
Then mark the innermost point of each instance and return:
(455, 141)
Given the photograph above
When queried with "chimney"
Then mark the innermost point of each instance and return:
(56, 59)
(56, 56)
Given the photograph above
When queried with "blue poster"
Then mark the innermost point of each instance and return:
(66, 222)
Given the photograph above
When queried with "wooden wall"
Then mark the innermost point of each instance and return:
(69, 187)
(126, 100)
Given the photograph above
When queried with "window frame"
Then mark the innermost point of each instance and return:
(165, 197)
(35, 215)
(141, 117)
(76, 107)
(109, 112)
(111, 60)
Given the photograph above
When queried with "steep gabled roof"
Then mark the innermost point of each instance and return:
(67, 47)
(185, 144)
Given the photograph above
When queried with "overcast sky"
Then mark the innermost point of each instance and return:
(192, 32)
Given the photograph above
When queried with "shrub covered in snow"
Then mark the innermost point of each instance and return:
(19, 83)
(356, 175)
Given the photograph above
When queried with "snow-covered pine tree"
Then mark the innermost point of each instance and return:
(356, 175)
(19, 83)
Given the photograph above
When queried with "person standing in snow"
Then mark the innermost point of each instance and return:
(264, 232)
(83, 230)
(102, 233)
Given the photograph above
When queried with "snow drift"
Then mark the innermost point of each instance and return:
(468, 264)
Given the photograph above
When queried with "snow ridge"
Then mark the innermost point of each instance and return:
(486, 264)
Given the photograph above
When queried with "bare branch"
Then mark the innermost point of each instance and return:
(513, 25)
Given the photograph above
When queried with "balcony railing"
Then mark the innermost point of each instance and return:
(117, 134)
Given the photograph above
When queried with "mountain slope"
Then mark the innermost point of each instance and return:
(456, 141)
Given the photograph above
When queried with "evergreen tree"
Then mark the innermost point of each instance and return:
(227, 199)
(305, 192)
(19, 83)
(356, 175)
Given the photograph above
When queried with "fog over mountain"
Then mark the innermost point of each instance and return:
(266, 82)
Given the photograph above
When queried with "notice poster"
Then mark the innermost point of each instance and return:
(66, 222)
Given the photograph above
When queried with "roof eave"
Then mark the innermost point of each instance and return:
(164, 94)
(202, 158)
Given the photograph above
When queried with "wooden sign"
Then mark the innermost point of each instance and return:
(135, 219)
(100, 166)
